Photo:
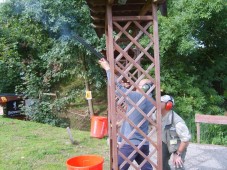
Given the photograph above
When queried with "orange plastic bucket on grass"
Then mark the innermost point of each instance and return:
(85, 162)
(99, 126)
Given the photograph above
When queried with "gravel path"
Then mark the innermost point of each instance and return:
(202, 157)
(206, 157)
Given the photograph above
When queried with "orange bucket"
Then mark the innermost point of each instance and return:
(99, 126)
(85, 162)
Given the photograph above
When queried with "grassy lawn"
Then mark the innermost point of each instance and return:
(27, 145)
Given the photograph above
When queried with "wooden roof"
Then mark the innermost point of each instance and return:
(6, 97)
(130, 8)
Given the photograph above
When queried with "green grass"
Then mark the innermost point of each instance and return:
(26, 145)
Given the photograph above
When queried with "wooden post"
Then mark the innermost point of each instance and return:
(158, 94)
(198, 132)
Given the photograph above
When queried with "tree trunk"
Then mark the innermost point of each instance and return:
(90, 104)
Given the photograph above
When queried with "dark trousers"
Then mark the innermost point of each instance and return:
(127, 150)
(166, 156)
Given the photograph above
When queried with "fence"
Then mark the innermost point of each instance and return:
(211, 119)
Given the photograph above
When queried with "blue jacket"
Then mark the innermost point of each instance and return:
(135, 116)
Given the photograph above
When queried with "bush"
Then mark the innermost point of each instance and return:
(42, 112)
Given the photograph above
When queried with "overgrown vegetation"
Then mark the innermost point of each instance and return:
(39, 54)
(44, 56)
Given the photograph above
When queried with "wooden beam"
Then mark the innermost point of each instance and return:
(96, 2)
(5, 99)
(128, 8)
(133, 18)
(157, 84)
(212, 119)
(146, 7)
(98, 9)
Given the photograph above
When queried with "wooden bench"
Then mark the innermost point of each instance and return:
(211, 119)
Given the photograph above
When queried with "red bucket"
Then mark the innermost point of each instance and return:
(99, 126)
(85, 162)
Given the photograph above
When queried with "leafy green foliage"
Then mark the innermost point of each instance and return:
(192, 55)
(45, 56)
(39, 54)
(214, 134)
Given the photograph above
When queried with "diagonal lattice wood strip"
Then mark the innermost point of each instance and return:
(132, 52)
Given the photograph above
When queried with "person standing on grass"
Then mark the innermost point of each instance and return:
(136, 117)
(175, 135)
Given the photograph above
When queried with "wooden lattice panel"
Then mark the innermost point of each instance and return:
(132, 70)
(132, 50)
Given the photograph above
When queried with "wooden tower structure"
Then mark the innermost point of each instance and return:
(132, 49)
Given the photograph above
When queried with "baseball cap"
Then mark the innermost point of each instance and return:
(167, 98)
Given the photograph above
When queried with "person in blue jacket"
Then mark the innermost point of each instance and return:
(135, 116)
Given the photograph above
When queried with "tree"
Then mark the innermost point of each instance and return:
(192, 54)
(48, 55)
(193, 39)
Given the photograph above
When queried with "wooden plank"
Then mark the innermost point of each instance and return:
(111, 99)
(4, 99)
(146, 8)
(212, 119)
(157, 84)
(98, 9)
(133, 18)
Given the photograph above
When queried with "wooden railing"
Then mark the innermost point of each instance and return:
(211, 119)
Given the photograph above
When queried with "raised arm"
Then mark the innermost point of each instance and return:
(105, 65)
